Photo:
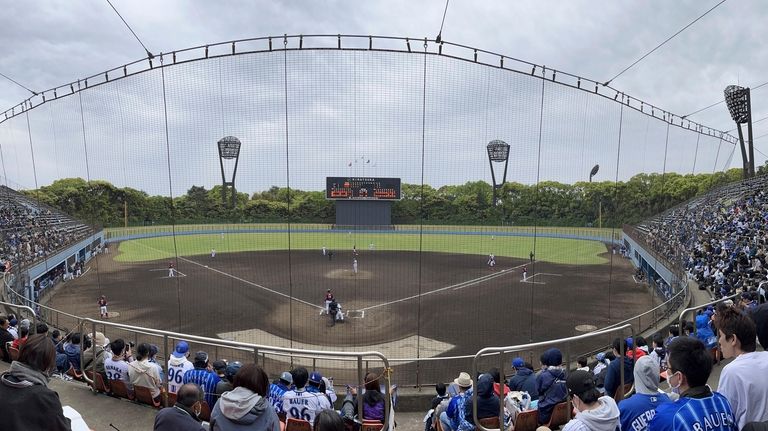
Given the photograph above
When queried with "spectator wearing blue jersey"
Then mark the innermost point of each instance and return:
(278, 388)
(638, 410)
(453, 418)
(698, 408)
(203, 377)
(524, 378)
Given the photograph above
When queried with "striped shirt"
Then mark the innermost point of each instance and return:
(206, 380)
(697, 410)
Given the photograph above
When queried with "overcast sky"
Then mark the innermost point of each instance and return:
(47, 43)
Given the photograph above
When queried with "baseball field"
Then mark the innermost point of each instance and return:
(413, 295)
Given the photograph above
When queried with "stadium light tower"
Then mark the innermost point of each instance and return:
(229, 148)
(593, 172)
(740, 106)
(498, 151)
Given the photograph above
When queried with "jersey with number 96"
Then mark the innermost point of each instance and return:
(304, 405)
(176, 370)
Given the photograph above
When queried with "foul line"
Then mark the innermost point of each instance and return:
(453, 286)
(234, 277)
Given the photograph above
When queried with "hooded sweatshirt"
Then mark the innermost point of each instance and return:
(552, 390)
(604, 418)
(25, 394)
(638, 410)
(144, 373)
(487, 401)
(177, 366)
(241, 409)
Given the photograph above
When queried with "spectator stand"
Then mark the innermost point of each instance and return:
(255, 352)
(500, 352)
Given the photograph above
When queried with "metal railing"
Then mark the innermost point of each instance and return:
(500, 351)
(256, 349)
(29, 310)
(700, 307)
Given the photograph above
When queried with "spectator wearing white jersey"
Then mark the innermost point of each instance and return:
(300, 404)
(178, 364)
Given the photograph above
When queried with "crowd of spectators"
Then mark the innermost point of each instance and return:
(721, 240)
(30, 233)
(684, 359)
(236, 396)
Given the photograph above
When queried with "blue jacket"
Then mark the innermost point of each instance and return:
(73, 355)
(550, 384)
(524, 380)
(613, 376)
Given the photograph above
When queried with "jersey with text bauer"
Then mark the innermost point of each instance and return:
(711, 413)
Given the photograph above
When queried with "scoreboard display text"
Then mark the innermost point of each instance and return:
(365, 188)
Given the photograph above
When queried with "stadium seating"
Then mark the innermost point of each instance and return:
(293, 424)
(30, 231)
(527, 420)
(144, 395)
(560, 415)
(205, 411)
(490, 423)
(120, 390)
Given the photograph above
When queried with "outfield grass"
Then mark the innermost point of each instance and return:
(556, 250)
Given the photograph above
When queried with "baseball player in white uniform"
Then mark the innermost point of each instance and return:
(354, 265)
(491, 260)
(170, 269)
(213, 253)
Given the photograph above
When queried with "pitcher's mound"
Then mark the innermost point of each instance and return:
(348, 274)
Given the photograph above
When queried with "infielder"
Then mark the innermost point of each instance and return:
(354, 265)
(170, 269)
(491, 260)
(525, 272)
(325, 251)
(213, 253)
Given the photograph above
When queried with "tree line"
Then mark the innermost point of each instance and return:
(547, 204)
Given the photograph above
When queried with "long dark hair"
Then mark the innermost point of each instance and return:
(372, 395)
(38, 353)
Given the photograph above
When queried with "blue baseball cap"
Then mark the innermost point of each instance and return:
(315, 377)
(518, 362)
(181, 349)
(233, 368)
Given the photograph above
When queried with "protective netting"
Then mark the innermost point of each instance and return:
(138, 157)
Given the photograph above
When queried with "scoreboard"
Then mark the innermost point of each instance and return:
(362, 188)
